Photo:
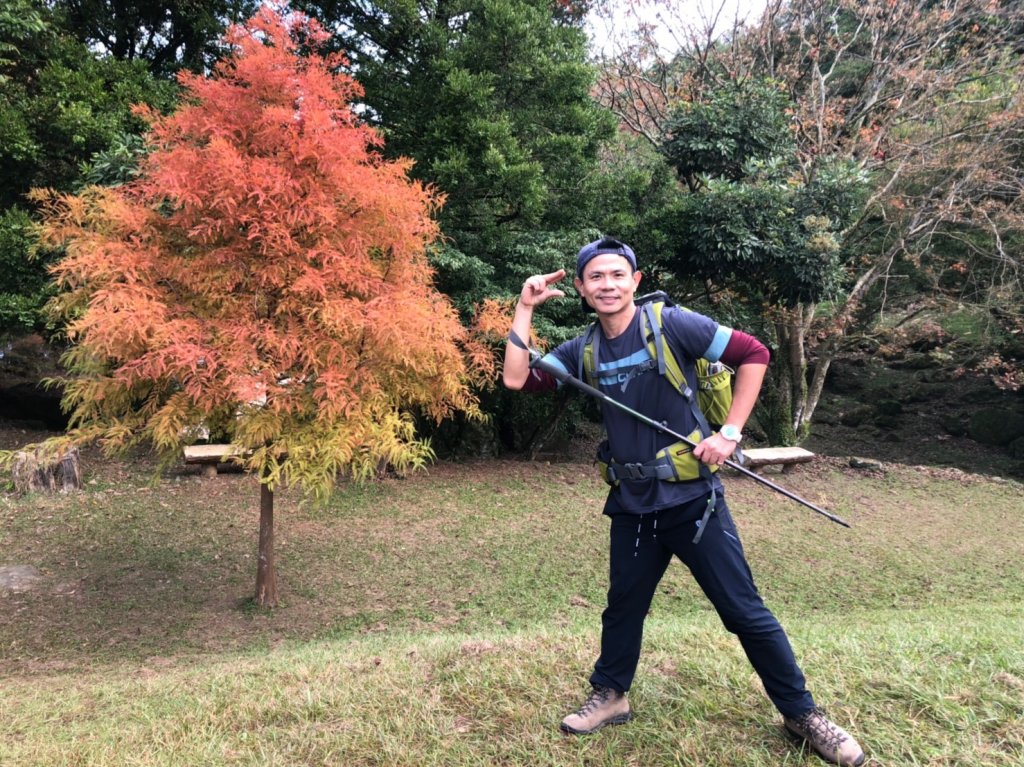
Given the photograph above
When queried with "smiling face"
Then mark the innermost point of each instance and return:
(608, 284)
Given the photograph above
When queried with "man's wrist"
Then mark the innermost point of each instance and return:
(731, 432)
(522, 305)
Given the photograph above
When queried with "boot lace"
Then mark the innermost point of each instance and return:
(597, 698)
(819, 729)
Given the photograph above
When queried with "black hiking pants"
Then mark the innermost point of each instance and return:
(641, 548)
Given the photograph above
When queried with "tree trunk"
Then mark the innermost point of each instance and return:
(788, 401)
(775, 406)
(543, 432)
(266, 571)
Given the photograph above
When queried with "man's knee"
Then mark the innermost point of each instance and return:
(754, 623)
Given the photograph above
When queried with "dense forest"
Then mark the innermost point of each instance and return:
(831, 176)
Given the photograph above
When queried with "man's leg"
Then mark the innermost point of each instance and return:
(720, 568)
(636, 563)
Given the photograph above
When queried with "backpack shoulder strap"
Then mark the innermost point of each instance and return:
(660, 350)
(588, 356)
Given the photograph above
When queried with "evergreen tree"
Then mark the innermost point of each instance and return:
(59, 105)
(491, 99)
(165, 36)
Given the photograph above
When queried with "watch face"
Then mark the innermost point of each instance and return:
(731, 433)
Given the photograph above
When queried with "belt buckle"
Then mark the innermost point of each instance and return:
(634, 470)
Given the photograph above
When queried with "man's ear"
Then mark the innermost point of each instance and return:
(636, 278)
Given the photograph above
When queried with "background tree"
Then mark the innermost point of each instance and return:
(925, 97)
(166, 36)
(264, 276)
(59, 104)
(921, 99)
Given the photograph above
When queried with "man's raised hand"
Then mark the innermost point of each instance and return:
(537, 289)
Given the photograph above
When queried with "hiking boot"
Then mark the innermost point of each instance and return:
(603, 706)
(830, 741)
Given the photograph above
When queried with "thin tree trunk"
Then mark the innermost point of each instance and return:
(266, 571)
(543, 432)
(797, 366)
(814, 392)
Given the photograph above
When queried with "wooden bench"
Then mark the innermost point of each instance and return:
(788, 457)
(208, 456)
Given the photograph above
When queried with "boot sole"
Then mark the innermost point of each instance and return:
(817, 753)
(617, 719)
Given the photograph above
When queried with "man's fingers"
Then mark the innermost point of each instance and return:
(539, 283)
(536, 289)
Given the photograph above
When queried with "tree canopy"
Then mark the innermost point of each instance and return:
(265, 276)
(826, 147)
(491, 99)
(165, 36)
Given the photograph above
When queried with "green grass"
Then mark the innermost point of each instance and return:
(452, 619)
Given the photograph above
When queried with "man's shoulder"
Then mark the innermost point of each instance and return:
(688, 332)
(684, 320)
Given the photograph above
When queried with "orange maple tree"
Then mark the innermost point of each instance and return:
(264, 277)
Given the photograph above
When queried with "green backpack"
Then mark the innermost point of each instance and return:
(710, 406)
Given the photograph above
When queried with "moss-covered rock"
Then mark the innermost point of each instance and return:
(1016, 448)
(995, 426)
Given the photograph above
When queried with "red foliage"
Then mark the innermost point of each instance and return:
(267, 268)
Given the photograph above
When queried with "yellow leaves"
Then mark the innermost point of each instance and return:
(493, 318)
(266, 272)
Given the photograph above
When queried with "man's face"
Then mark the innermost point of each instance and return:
(608, 284)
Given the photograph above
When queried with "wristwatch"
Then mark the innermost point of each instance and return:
(731, 433)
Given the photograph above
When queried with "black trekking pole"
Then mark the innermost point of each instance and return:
(536, 361)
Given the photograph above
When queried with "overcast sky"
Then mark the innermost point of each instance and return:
(603, 33)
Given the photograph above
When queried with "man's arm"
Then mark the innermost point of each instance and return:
(536, 291)
(749, 357)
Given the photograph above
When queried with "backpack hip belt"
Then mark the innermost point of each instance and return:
(674, 463)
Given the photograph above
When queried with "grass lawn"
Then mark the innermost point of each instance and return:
(452, 619)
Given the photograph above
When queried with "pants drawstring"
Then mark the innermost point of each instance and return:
(639, 529)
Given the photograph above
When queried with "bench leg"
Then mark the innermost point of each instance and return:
(209, 470)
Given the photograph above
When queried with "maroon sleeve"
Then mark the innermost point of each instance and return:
(744, 349)
(538, 381)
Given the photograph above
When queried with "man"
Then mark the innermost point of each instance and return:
(653, 519)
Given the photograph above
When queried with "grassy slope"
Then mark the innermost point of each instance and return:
(451, 619)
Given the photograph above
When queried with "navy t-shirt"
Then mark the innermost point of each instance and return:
(621, 374)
